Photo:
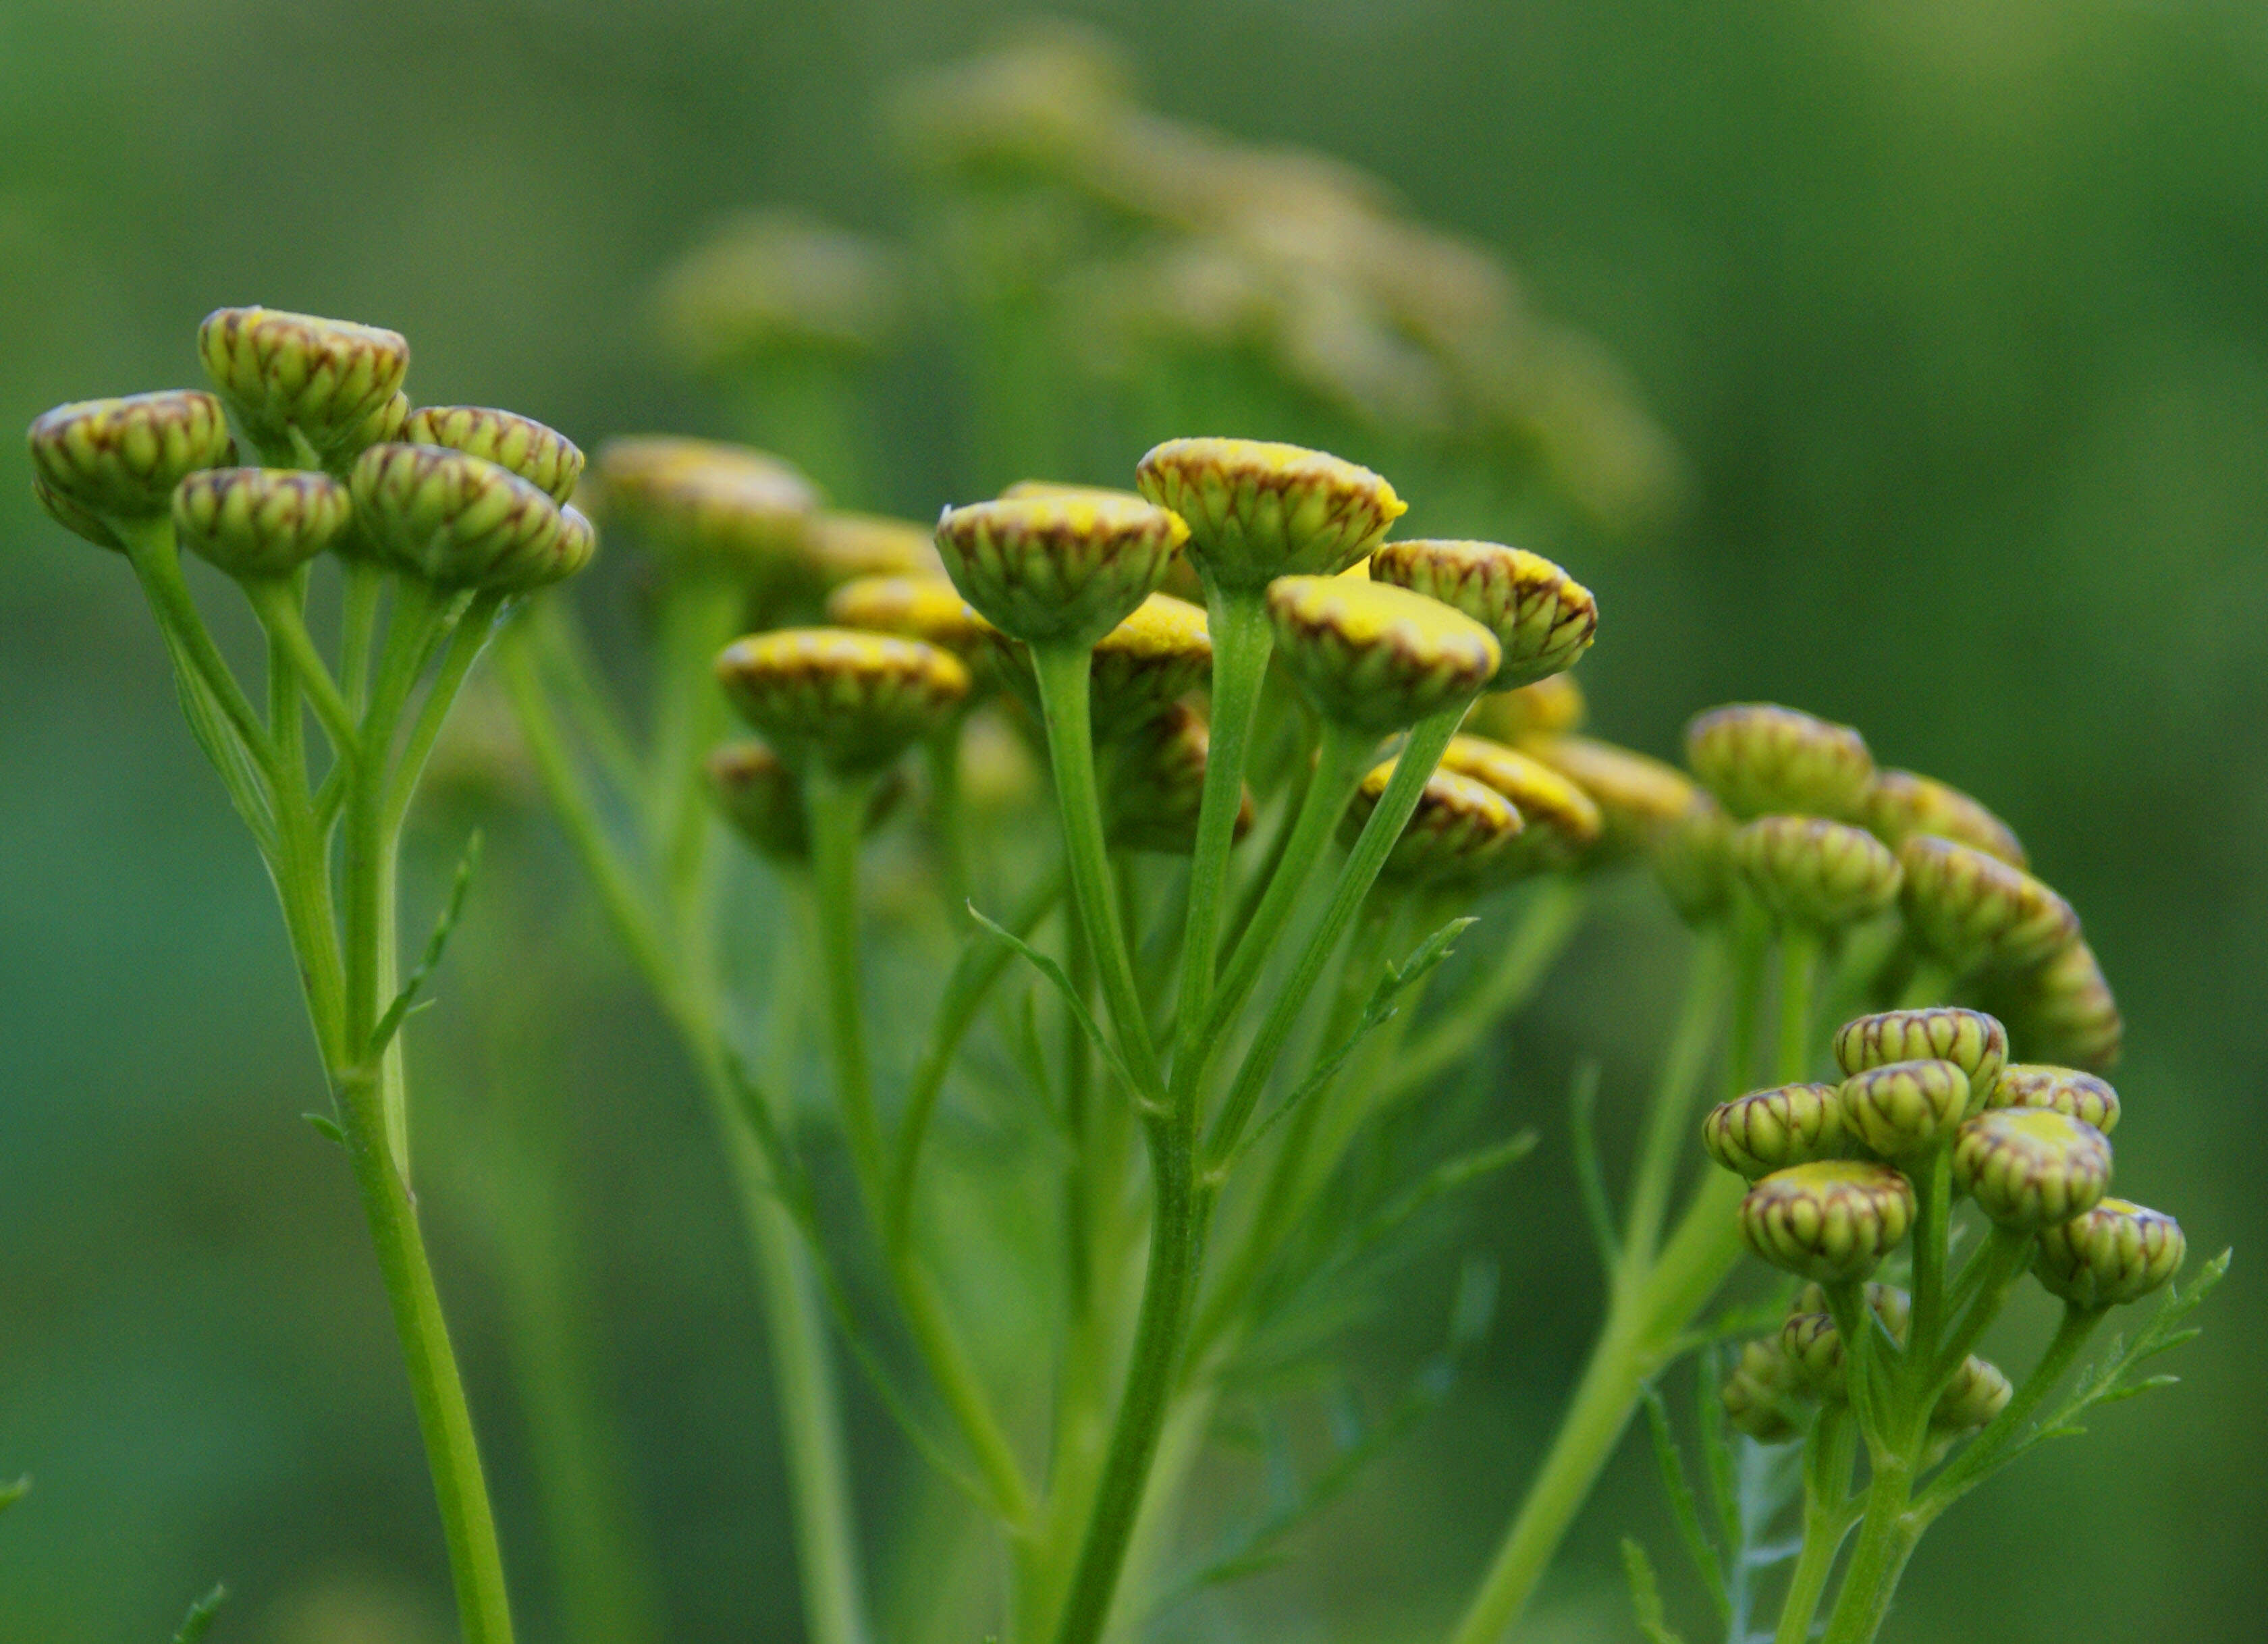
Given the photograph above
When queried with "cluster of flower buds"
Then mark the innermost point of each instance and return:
(455, 496)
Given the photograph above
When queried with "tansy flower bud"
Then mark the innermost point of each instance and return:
(547, 460)
(73, 517)
(1061, 570)
(2060, 1090)
(1561, 822)
(1832, 1220)
(1181, 579)
(1760, 1394)
(1376, 658)
(1693, 860)
(1156, 655)
(1458, 826)
(711, 506)
(849, 545)
(2065, 1011)
(565, 554)
(1901, 803)
(1156, 783)
(928, 608)
(1973, 910)
(851, 701)
(2030, 1167)
(1971, 1040)
(2116, 1253)
(1769, 1130)
(1760, 758)
(761, 796)
(121, 458)
(1904, 1108)
(1814, 1346)
(1551, 707)
(279, 371)
(260, 522)
(1257, 510)
(1978, 1392)
(1810, 871)
(381, 427)
(1543, 617)
(1639, 798)
(460, 521)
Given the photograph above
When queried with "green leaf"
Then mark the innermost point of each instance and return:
(1684, 1510)
(1054, 973)
(1645, 1594)
(1582, 1099)
(451, 911)
(14, 1491)
(199, 1621)
(326, 1127)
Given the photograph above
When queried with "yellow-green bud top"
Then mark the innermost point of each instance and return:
(1760, 1395)
(1257, 510)
(1903, 804)
(1377, 658)
(1809, 872)
(1156, 783)
(259, 523)
(1693, 860)
(1903, 1109)
(279, 371)
(1543, 617)
(461, 522)
(2061, 1089)
(1971, 1040)
(1551, 707)
(1760, 758)
(1562, 822)
(1765, 1131)
(1978, 1392)
(1832, 1220)
(1639, 798)
(544, 456)
(2116, 1253)
(927, 608)
(1063, 571)
(121, 458)
(850, 702)
(710, 506)
(1974, 910)
(2031, 1167)
(1460, 825)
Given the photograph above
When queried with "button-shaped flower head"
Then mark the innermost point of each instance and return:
(1057, 570)
(1693, 860)
(1258, 510)
(711, 508)
(1459, 826)
(259, 523)
(1551, 707)
(1978, 1392)
(1971, 1040)
(1376, 658)
(1562, 822)
(1814, 1346)
(1543, 617)
(850, 702)
(280, 371)
(459, 521)
(2031, 1167)
(1903, 1109)
(845, 547)
(1760, 758)
(121, 458)
(544, 456)
(1812, 872)
(926, 608)
(761, 796)
(1639, 798)
(1765, 1131)
(1761, 1394)
(1903, 804)
(1161, 653)
(2061, 1089)
(2116, 1253)
(2065, 1011)
(1973, 911)
(1156, 783)
(1833, 1219)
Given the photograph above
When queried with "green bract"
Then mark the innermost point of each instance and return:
(1374, 657)
(546, 459)
(1769, 1130)
(1760, 758)
(1055, 569)
(1971, 1040)
(1904, 1108)
(121, 458)
(329, 379)
(2116, 1253)
(1543, 617)
(709, 508)
(1459, 826)
(2065, 1090)
(1901, 803)
(1760, 1395)
(260, 522)
(457, 521)
(1562, 822)
(1833, 1219)
(2029, 1167)
(1257, 510)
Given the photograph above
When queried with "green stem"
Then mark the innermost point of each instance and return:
(1886, 1541)
(465, 642)
(1984, 1286)
(1799, 982)
(362, 582)
(1933, 1181)
(151, 546)
(277, 601)
(1668, 1125)
(943, 761)
(1986, 1449)
(1829, 1458)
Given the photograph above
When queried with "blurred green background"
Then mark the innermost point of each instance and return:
(1956, 312)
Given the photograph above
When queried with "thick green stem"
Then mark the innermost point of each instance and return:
(1933, 1181)
(1798, 983)
(942, 753)
(278, 602)
(1669, 1124)
(1886, 1541)
(1829, 1456)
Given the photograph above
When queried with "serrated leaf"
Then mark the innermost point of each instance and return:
(326, 1127)
(1054, 973)
(14, 1491)
(201, 1615)
(452, 909)
(1582, 1100)
(1684, 1509)
(1645, 1594)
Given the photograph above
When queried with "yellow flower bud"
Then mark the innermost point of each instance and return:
(1458, 826)
(1057, 569)
(1901, 803)
(327, 379)
(1374, 657)
(761, 796)
(1551, 707)
(1813, 1344)
(1903, 1109)
(546, 459)
(711, 506)
(1543, 617)
(1760, 758)
(1972, 910)
(1158, 654)
(1561, 822)
(1971, 1040)
(461, 522)
(1978, 1392)
(562, 556)
(1257, 512)
(260, 522)
(1181, 579)
(2116, 1253)
(847, 547)
(1832, 1220)
(1812, 873)
(2030, 1167)
(1765, 1131)
(121, 458)
(1693, 860)
(2061, 1089)
(850, 702)
(2063, 1011)
(927, 608)
(1156, 783)
(1760, 1395)
(1639, 798)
